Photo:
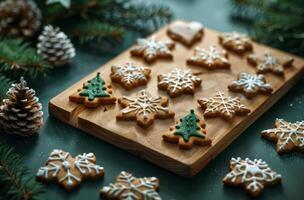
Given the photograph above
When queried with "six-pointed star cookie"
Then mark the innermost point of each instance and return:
(151, 49)
(252, 175)
(211, 58)
(178, 82)
(289, 136)
(270, 63)
(144, 109)
(222, 106)
(237, 42)
(251, 85)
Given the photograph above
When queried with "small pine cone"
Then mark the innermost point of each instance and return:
(21, 18)
(21, 113)
(55, 47)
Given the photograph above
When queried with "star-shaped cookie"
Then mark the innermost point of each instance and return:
(237, 42)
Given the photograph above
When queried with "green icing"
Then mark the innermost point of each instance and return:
(188, 127)
(95, 88)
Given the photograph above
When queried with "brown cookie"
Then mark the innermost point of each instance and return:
(289, 136)
(250, 85)
(129, 75)
(151, 49)
(144, 109)
(188, 131)
(211, 58)
(186, 32)
(94, 93)
(236, 42)
(222, 106)
(178, 82)
(252, 175)
(67, 171)
(129, 187)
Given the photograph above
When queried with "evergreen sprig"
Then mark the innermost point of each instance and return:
(5, 84)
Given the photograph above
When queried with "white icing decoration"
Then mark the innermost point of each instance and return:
(70, 177)
(45, 171)
(84, 163)
(251, 83)
(270, 62)
(238, 38)
(129, 73)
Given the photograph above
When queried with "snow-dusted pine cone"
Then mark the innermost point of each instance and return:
(20, 18)
(21, 113)
(55, 47)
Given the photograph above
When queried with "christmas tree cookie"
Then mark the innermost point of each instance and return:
(94, 93)
(236, 42)
(190, 130)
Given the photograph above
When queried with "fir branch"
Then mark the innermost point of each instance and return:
(5, 84)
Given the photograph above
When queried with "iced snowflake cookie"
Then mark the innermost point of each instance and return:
(128, 187)
(178, 82)
(94, 93)
(269, 63)
(289, 136)
(252, 175)
(144, 109)
(211, 58)
(62, 168)
(129, 75)
(186, 32)
(188, 131)
(222, 106)
(236, 42)
(151, 49)
(250, 85)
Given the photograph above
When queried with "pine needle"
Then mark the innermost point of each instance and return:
(5, 84)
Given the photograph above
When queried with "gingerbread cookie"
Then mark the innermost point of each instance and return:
(186, 32)
(252, 175)
(151, 49)
(269, 63)
(128, 187)
(289, 136)
(250, 85)
(178, 82)
(129, 75)
(236, 42)
(94, 93)
(188, 131)
(222, 106)
(211, 58)
(62, 168)
(144, 109)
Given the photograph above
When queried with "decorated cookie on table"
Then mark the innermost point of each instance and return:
(178, 81)
(144, 109)
(151, 49)
(252, 175)
(67, 171)
(188, 131)
(223, 106)
(186, 32)
(270, 63)
(236, 42)
(94, 93)
(210, 58)
(129, 187)
(289, 136)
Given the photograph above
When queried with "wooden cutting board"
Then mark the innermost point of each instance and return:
(148, 143)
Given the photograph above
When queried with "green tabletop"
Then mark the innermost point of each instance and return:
(208, 183)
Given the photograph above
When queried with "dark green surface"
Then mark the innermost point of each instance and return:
(208, 183)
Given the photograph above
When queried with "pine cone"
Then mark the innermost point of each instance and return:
(55, 47)
(21, 113)
(20, 18)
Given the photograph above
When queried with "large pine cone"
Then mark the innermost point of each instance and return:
(20, 18)
(21, 113)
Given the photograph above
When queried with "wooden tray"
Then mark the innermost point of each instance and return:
(148, 143)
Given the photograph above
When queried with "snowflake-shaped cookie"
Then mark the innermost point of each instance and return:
(128, 187)
(222, 106)
(253, 176)
(251, 85)
(237, 42)
(211, 58)
(151, 49)
(144, 109)
(69, 171)
(178, 81)
(289, 136)
(129, 75)
(270, 63)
